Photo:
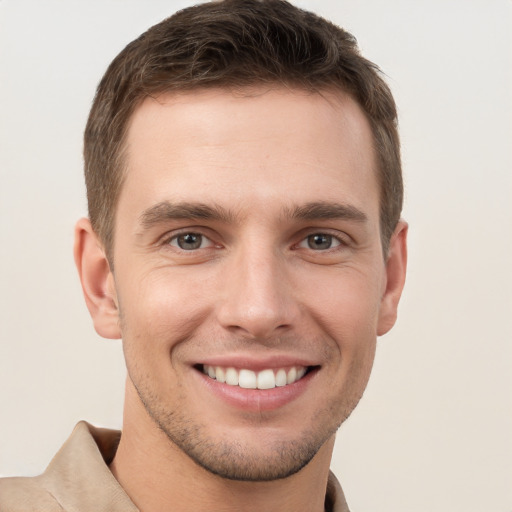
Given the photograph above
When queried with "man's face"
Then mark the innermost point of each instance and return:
(247, 248)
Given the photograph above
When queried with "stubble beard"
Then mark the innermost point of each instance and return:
(231, 459)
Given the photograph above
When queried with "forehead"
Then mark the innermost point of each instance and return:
(258, 146)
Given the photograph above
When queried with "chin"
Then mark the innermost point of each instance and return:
(246, 454)
(256, 461)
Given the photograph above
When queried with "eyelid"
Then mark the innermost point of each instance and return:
(165, 240)
(205, 241)
(303, 244)
(343, 239)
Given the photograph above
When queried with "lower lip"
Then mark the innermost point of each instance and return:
(257, 399)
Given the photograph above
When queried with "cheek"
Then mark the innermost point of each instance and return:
(160, 309)
(348, 314)
(348, 306)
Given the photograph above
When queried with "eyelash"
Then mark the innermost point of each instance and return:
(334, 241)
(340, 242)
(167, 241)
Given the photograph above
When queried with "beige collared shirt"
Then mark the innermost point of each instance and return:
(78, 480)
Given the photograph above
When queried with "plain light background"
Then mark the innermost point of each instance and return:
(434, 430)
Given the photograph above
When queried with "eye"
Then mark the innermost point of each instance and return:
(320, 242)
(190, 241)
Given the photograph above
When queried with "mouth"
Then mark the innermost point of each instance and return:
(268, 378)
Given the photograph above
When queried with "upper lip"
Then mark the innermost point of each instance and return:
(257, 363)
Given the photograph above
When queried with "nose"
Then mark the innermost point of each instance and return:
(256, 299)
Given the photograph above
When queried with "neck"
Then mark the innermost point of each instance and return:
(157, 476)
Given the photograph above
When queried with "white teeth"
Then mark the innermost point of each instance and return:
(248, 379)
(219, 374)
(231, 377)
(292, 375)
(266, 379)
(281, 378)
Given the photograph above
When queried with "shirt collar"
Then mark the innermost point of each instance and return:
(79, 478)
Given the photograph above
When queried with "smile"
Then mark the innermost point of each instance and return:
(248, 379)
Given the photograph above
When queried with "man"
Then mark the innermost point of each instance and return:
(244, 240)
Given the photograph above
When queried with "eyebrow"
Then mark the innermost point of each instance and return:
(325, 210)
(317, 210)
(165, 211)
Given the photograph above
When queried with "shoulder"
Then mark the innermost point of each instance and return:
(77, 479)
(26, 494)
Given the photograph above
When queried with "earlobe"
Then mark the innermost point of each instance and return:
(97, 280)
(396, 266)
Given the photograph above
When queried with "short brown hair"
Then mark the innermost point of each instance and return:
(235, 43)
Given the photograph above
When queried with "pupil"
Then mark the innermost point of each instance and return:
(189, 241)
(320, 241)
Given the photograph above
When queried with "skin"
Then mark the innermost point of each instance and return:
(269, 170)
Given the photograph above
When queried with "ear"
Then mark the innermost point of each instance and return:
(396, 265)
(97, 281)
